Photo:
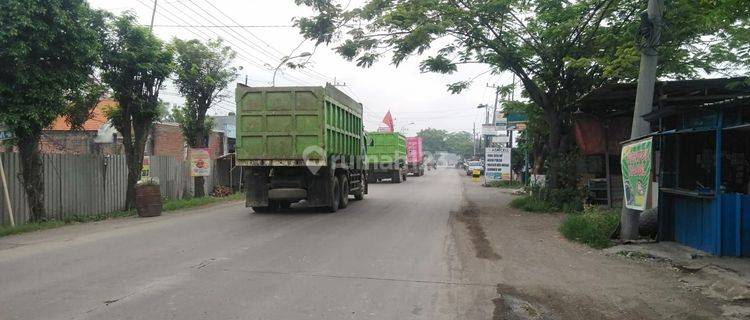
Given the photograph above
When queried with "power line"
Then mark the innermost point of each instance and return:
(218, 26)
(239, 36)
(198, 32)
(325, 77)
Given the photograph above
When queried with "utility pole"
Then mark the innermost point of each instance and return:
(474, 139)
(649, 34)
(153, 14)
(497, 98)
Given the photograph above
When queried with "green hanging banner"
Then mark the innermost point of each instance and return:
(636, 172)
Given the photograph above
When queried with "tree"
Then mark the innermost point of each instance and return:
(203, 72)
(81, 103)
(135, 64)
(435, 140)
(48, 50)
(461, 143)
(559, 50)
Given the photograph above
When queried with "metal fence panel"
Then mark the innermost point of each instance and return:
(92, 184)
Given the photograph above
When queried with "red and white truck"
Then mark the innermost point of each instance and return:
(414, 156)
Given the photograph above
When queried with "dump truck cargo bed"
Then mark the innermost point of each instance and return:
(289, 126)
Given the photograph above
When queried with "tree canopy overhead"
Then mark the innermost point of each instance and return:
(559, 50)
(135, 64)
(48, 50)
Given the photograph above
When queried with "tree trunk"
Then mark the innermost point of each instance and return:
(553, 148)
(199, 189)
(134, 145)
(32, 171)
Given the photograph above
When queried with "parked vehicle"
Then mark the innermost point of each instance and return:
(386, 156)
(414, 156)
(300, 143)
(474, 165)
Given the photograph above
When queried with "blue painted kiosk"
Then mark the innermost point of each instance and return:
(701, 132)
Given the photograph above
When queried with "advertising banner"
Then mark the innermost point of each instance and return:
(496, 164)
(200, 162)
(636, 172)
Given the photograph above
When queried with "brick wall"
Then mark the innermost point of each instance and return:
(168, 141)
(70, 142)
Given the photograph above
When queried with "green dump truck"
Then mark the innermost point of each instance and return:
(386, 156)
(300, 143)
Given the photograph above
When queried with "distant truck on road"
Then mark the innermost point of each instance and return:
(414, 156)
(300, 143)
(386, 156)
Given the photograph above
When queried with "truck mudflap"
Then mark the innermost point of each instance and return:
(256, 187)
(319, 188)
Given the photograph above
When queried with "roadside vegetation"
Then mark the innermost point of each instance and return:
(545, 200)
(169, 205)
(586, 224)
(593, 226)
(504, 184)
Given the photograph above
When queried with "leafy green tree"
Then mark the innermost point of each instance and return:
(203, 72)
(48, 50)
(81, 103)
(559, 50)
(433, 140)
(461, 143)
(135, 64)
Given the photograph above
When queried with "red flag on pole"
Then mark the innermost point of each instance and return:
(388, 120)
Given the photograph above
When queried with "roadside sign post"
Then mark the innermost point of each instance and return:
(497, 164)
(5, 135)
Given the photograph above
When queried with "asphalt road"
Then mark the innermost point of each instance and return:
(390, 256)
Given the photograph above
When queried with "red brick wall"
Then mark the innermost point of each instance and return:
(71, 142)
(168, 141)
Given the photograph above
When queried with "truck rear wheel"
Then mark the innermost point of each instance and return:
(344, 185)
(335, 196)
(396, 177)
(360, 194)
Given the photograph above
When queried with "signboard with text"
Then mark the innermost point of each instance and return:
(200, 162)
(636, 172)
(497, 164)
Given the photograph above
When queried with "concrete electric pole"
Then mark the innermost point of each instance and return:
(153, 14)
(650, 32)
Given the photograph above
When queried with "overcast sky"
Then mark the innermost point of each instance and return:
(416, 100)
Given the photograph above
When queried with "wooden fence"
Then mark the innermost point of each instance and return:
(79, 185)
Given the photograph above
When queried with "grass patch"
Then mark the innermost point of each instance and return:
(533, 204)
(592, 226)
(29, 227)
(503, 184)
(169, 205)
(197, 202)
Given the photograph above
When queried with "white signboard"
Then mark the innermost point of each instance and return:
(497, 164)
(500, 139)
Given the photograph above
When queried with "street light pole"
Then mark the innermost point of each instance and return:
(153, 14)
(650, 32)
